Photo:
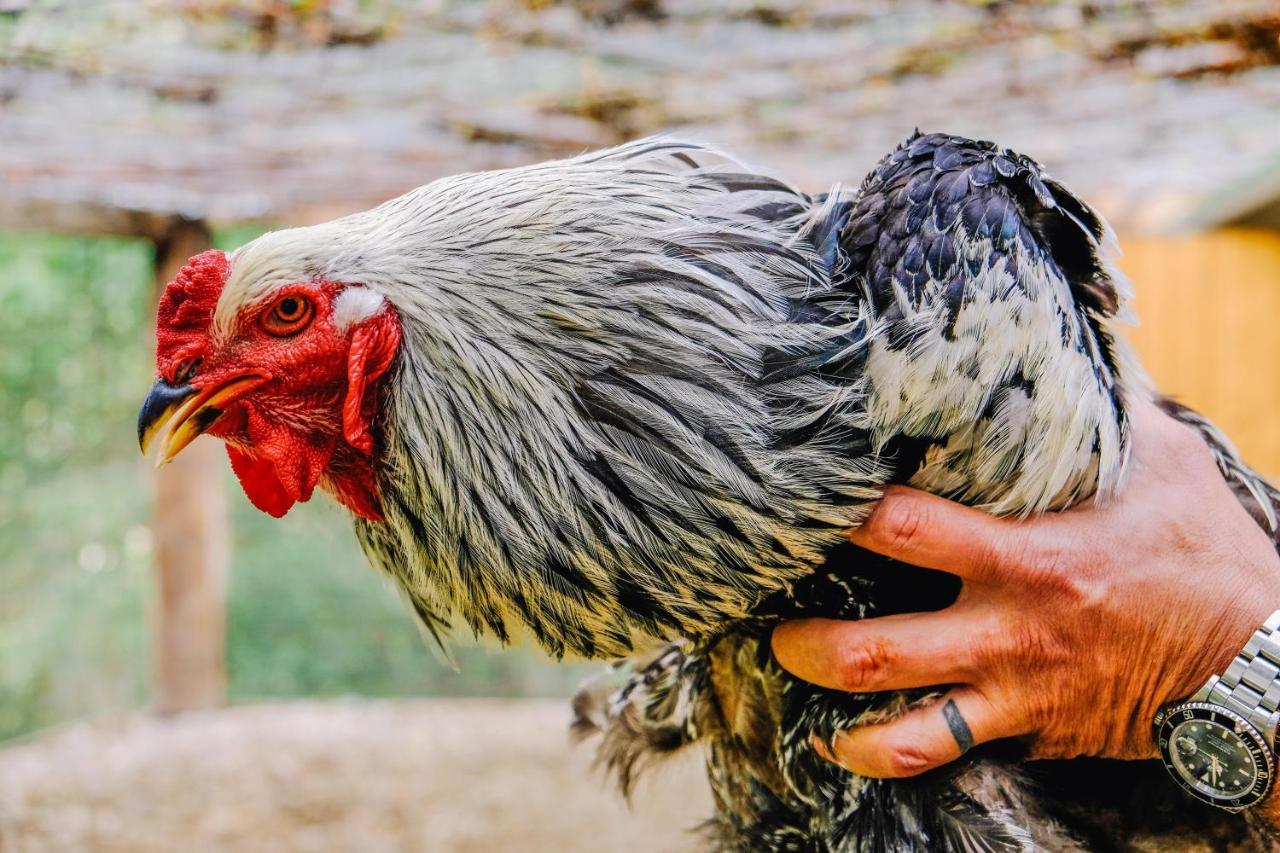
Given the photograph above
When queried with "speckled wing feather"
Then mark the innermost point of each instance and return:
(991, 286)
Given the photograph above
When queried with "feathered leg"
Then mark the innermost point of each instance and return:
(644, 708)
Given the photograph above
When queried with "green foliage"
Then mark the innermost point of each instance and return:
(72, 351)
(74, 570)
(307, 617)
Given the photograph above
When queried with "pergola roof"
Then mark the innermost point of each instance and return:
(117, 117)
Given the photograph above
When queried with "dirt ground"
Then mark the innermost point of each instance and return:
(439, 776)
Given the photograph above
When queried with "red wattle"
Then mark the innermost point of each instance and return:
(314, 422)
(261, 485)
(283, 465)
(299, 462)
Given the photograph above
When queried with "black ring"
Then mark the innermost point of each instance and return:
(959, 728)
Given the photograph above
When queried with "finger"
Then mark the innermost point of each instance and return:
(934, 533)
(885, 653)
(921, 739)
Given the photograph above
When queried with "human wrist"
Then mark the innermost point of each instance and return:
(1215, 645)
(1219, 618)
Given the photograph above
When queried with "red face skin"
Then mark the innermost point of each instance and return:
(307, 415)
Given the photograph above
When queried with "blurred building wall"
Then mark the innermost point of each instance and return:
(1209, 331)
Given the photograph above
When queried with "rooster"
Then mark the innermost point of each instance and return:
(629, 403)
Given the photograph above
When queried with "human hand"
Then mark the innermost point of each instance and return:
(1071, 628)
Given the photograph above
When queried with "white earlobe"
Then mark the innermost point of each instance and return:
(353, 305)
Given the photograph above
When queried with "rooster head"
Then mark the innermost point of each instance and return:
(286, 368)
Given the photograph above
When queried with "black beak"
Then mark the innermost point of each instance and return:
(159, 406)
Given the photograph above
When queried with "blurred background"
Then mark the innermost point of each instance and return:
(178, 671)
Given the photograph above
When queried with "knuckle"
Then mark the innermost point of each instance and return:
(861, 666)
(1000, 558)
(899, 523)
(907, 759)
(1061, 572)
(977, 653)
(1017, 554)
(1039, 713)
(986, 704)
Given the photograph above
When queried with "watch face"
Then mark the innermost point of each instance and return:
(1215, 754)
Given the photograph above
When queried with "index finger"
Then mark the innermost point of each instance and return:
(884, 653)
(925, 530)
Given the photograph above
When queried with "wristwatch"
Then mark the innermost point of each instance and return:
(1219, 745)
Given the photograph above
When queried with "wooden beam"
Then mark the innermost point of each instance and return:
(189, 524)
(19, 212)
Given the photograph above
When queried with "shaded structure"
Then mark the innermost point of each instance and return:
(163, 121)
(132, 110)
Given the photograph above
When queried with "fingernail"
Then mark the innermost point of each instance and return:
(820, 746)
(885, 495)
(848, 757)
(826, 750)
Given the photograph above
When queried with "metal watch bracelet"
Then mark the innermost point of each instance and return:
(1251, 684)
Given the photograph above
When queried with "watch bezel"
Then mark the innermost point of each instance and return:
(1263, 759)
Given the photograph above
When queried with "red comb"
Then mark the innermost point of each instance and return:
(186, 308)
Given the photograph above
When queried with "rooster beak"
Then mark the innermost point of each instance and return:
(158, 408)
(192, 411)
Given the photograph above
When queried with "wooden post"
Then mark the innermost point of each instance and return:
(190, 530)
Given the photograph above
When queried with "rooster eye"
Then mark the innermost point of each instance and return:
(288, 316)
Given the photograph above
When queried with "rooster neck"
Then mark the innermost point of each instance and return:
(624, 435)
